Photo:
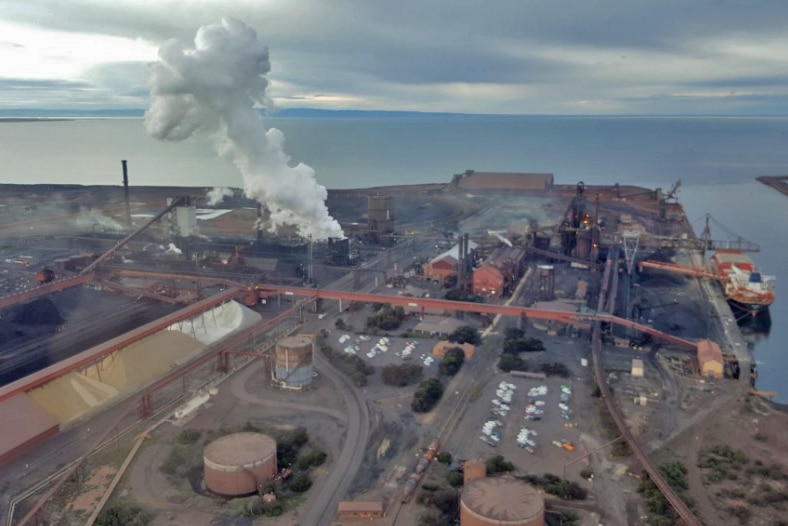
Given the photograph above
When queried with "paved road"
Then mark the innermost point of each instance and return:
(324, 504)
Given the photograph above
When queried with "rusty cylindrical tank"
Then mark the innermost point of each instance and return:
(501, 500)
(237, 464)
(293, 361)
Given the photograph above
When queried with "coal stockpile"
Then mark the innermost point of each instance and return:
(46, 331)
(39, 312)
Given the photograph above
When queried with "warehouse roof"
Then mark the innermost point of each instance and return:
(709, 351)
(504, 180)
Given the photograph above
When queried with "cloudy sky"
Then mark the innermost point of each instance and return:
(468, 56)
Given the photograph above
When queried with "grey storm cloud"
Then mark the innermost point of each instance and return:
(411, 52)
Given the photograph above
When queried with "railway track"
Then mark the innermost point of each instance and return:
(688, 518)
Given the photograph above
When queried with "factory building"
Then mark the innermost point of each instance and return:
(498, 275)
(239, 464)
(446, 265)
(440, 326)
(710, 360)
(501, 500)
(294, 361)
(473, 180)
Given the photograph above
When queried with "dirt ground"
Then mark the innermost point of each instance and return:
(757, 481)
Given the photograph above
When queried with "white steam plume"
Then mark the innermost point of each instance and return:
(213, 88)
(217, 195)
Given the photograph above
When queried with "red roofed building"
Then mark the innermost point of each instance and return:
(499, 273)
(440, 269)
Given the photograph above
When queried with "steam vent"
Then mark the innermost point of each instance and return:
(501, 500)
(237, 464)
(294, 361)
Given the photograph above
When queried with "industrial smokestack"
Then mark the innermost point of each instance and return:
(460, 265)
(126, 192)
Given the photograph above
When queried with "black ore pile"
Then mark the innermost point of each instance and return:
(38, 312)
(7, 331)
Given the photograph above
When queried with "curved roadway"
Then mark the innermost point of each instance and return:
(324, 504)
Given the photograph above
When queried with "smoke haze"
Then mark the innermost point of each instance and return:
(217, 195)
(213, 88)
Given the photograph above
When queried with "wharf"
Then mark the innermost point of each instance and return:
(727, 332)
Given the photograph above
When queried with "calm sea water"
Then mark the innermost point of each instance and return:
(716, 158)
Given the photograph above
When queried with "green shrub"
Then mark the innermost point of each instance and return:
(188, 436)
(300, 483)
(498, 464)
(455, 479)
(427, 395)
(314, 458)
(452, 362)
(123, 514)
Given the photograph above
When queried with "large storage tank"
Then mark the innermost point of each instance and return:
(294, 357)
(501, 500)
(237, 464)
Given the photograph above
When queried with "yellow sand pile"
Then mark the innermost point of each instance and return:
(129, 369)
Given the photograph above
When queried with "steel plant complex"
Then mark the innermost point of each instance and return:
(496, 349)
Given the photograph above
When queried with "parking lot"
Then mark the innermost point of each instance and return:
(529, 421)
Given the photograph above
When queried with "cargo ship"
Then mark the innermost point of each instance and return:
(746, 289)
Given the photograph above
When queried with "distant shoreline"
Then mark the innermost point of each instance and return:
(779, 183)
(34, 119)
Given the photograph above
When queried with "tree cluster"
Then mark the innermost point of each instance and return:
(287, 445)
(518, 345)
(427, 395)
(512, 362)
(555, 369)
(555, 485)
(387, 318)
(466, 334)
(452, 361)
(498, 464)
(350, 364)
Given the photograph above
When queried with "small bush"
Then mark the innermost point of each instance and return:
(455, 479)
(498, 464)
(124, 514)
(314, 458)
(444, 457)
(301, 483)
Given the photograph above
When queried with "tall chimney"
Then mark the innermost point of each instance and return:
(460, 266)
(126, 192)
